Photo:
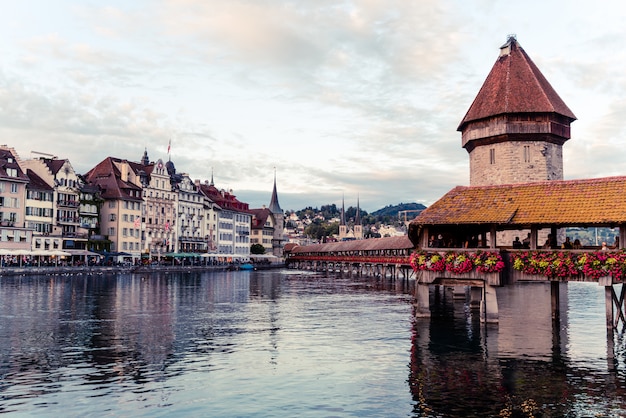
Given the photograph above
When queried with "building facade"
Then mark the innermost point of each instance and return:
(14, 232)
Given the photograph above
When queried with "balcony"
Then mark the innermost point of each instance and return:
(68, 219)
(68, 203)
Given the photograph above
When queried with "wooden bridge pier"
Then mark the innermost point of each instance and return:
(615, 307)
(482, 294)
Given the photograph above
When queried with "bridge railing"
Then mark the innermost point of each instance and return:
(402, 260)
(499, 266)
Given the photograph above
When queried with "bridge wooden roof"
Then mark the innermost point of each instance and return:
(589, 202)
(387, 243)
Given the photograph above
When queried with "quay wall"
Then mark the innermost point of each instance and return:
(100, 270)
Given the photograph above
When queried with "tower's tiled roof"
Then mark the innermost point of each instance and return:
(515, 85)
(592, 202)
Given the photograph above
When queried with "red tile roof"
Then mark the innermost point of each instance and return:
(515, 85)
(589, 202)
(106, 176)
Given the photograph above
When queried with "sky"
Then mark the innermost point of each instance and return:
(342, 101)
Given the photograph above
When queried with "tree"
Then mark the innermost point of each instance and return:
(257, 249)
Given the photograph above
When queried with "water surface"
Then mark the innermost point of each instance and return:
(288, 343)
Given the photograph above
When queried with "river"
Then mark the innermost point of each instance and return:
(284, 343)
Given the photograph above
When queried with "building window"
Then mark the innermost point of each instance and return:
(492, 156)
(526, 153)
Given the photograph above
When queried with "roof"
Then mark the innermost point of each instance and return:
(515, 85)
(8, 160)
(259, 217)
(223, 199)
(36, 183)
(54, 165)
(387, 243)
(106, 175)
(600, 201)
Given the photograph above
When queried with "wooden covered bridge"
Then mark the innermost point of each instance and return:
(382, 257)
(473, 230)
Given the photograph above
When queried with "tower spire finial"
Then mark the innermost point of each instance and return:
(274, 206)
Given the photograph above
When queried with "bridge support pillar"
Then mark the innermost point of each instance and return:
(422, 305)
(615, 305)
(489, 305)
(476, 294)
(458, 292)
(555, 297)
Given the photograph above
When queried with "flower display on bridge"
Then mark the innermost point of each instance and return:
(457, 262)
(562, 264)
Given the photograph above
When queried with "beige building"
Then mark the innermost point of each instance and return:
(120, 216)
(191, 212)
(160, 209)
(14, 233)
(61, 177)
(40, 213)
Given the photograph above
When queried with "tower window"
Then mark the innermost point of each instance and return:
(492, 156)
(526, 153)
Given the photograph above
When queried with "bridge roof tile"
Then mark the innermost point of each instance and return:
(387, 243)
(600, 201)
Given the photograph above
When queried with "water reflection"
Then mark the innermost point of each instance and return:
(298, 344)
(528, 365)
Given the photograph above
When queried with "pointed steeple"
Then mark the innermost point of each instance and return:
(274, 206)
(211, 184)
(343, 212)
(145, 160)
(357, 219)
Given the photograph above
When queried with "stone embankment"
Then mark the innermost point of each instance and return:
(101, 270)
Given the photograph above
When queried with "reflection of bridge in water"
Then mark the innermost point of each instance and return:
(391, 257)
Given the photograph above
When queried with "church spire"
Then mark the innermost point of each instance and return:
(212, 184)
(145, 160)
(274, 206)
(357, 219)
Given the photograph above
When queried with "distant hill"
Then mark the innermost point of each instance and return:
(392, 211)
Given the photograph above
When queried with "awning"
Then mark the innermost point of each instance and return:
(181, 255)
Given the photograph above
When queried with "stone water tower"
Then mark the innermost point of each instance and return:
(515, 129)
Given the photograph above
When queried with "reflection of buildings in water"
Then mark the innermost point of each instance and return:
(134, 335)
(459, 367)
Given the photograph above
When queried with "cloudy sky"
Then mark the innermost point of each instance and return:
(342, 98)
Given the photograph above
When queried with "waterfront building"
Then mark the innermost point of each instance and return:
(40, 213)
(65, 183)
(262, 228)
(14, 233)
(160, 200)
(120, 216)
(89, 212)
(233, 221)
(192, 232)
